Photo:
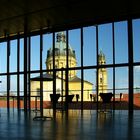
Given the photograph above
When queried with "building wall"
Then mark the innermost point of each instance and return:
(75, 88)
(47, 88)
(60, 62)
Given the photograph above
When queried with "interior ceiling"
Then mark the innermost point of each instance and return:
(16, 16)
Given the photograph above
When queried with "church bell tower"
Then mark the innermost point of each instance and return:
(102, 74)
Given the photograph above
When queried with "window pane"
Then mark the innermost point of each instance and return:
(110, 79)
(136, 40)
(3, 85)
(121, 42)
(21, 85)
(3, 91)
(47, 44)
(3, 57)
(137, 78)
(21, 55)
(75, 85)
(121, 77)
(35, 84)
(89, 48)
(121, 85)
(60, 51)
(13, 85)
(89, 84)
(105, 41)
(13, 56)
(75, 43)
(35, 53)
(136, 87)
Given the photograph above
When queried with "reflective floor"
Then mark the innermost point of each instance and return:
(71, 125)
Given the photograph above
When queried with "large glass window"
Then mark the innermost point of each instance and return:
(80, 53)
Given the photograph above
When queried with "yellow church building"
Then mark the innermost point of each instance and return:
(74, 82)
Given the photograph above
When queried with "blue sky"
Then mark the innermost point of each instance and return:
(105, 44)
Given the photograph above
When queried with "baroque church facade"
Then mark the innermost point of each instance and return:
(74, 82)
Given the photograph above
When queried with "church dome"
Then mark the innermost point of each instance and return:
(61, 47)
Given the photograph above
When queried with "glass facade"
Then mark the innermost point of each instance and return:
(76, 62)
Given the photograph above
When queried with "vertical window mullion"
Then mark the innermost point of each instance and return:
(8, 72)
(54, 71)
(25, 65)
(41, 75)
(97, 70)
(18, 75)
(130, 57)
(29, 71)
(67, 68)
(113, 43)
(67, 60)
(82, 71)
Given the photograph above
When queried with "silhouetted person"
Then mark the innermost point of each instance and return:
(94, 98)
(120, 96)
(90, 97)
(77, 97)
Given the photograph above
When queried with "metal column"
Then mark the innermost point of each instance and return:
(82, 70)
(18, 75)
(130, 57)
(8, 70)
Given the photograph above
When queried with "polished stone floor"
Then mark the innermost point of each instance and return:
(71, 125)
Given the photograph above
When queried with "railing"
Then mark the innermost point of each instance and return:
(35, 100)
